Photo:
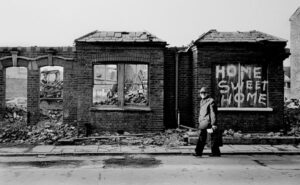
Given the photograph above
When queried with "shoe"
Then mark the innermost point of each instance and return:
(214, 155)
(197, 155)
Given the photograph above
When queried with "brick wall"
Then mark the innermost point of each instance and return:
(169, 88)
(207, 55)
(2, 84)
(185, 85)
(185, 88)
(89, 54)
(195, 69)
(41, 59)
(33, 92)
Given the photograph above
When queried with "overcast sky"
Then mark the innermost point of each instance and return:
(60, 22)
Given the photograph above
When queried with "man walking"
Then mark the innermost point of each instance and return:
(208, 125)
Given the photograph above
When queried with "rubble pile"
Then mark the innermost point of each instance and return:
(292, 116)
(169, 138)
(53, 115)
(14, 113)
(110, 101)
(51, 88)
(135, 98)
(43, 133)
(239, 134)
(51, 130)
(236, 134)
(131, 98)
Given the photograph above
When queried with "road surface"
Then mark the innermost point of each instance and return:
(145, 169)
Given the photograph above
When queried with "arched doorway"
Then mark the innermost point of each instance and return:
(16, 94)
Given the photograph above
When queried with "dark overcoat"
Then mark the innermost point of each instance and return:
(208, 118)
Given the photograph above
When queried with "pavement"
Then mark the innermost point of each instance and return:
(78, 150)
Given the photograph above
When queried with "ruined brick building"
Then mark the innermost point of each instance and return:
(295, 54)
(132, 81)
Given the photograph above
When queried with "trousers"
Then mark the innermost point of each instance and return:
(215, 150)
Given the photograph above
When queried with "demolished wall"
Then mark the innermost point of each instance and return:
(33, 58)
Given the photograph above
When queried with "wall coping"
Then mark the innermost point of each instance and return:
(39, 48)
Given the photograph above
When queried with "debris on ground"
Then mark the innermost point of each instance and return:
(53, 115)
(292, 117)
(16, 110)
(51, 130)
(169, 138)
(44, 132)
(292, 103)
(15, 113)
(239, 134)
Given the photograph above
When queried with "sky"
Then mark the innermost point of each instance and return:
(60, 22)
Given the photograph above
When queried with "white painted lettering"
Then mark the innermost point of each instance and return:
(245, 71)
(252, 96)
(262, 98)
(249, 84)
(265, 82)
(220, 70)
(237, 86)
(257, 85)
(239, 97)
(225, 101)
(257, 72)
(224, 87)
(231, 71)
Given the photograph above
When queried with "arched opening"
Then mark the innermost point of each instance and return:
(51, 93)
(16, 94)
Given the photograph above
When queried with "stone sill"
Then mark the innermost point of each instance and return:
(119, 109)
(267, 109)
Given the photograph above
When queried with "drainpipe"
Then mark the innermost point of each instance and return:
(177, 113)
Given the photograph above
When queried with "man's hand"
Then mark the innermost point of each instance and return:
(214, 127)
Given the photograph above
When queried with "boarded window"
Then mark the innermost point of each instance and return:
(241, 85)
